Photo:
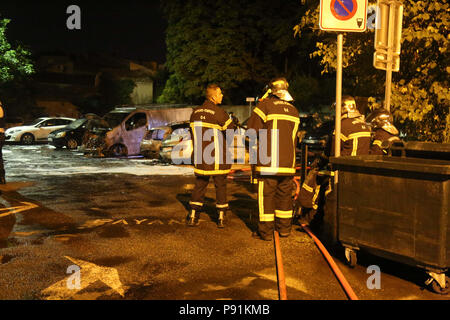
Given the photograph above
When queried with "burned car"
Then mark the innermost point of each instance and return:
(151, 143)
(73, 135)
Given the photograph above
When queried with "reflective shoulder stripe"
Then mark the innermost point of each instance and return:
(196, 203)
(225, 126)
(344, 138)
(377, 143)
(211, 172)
(260, 113)
(361, 134)
(283, 117)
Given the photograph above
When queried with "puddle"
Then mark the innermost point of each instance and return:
(113, 231)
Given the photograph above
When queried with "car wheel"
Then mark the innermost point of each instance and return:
(72, 144)
(118, 150)
(27, 138)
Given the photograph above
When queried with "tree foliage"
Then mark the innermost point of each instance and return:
(15, 61)
(238, 44)
(420, 95)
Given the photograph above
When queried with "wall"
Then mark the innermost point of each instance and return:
(142, 93)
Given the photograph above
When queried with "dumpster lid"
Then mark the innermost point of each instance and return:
(432, 166)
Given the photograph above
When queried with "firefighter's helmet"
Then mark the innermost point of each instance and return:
(348, 107)
(278, 87)
(381, 118)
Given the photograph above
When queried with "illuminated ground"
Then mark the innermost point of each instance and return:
(122, 222)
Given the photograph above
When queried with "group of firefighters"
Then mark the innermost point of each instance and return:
(279, 119)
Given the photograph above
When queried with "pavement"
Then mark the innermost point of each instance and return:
(73, 228)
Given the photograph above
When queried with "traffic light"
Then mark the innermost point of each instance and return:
(388, 33)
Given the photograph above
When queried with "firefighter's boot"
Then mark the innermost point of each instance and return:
(192, 219)
(221, 219)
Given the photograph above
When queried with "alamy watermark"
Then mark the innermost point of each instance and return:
(74, 280)
(73, 22)
(374, 281)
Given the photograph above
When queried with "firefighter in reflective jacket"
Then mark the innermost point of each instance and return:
(211, 156)
(384, 131)
(355, 133)
(275, 122)
(355, 140)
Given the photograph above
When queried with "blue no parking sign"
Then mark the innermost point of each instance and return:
(343, 15)
(343, 9)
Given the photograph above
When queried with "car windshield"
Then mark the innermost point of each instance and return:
(115, 118)
(36, 121)
(76, 124)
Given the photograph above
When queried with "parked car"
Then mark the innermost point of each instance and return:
(181, 139)
(178, 136)
(73, 134)
(151, 143)
(37, 131)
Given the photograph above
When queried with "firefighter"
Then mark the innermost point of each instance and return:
(211, 159)
(384, 131)
(2, 142)
(275, 122)
(355, 141)
(355, 133)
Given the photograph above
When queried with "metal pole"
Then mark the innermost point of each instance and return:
(337, 136)
(390, 57)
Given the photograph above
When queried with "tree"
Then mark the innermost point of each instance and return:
(238, 44)
(15, 61)
(420, 95)
(16, 66)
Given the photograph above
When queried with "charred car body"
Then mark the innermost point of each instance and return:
(125, 138)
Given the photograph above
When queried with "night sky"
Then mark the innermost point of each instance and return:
(130, 29)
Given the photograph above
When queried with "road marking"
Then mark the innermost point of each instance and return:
(90, 273)
(14, 210)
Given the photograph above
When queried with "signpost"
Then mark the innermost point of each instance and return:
(250, 100)
(341, 16)
(388, 34)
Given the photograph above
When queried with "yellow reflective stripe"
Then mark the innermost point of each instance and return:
(283, 214)
(355, 147)
(344, 138)
(294, 133)
(262, 215)
(325, 173)
(196, 203)
(260, 113)
(211, 172)
(307, 188)
(194, 144)
(222, 206)
(275, 170)
(275, 116)
(226, 124)
(216, 150)
(316, 194)
(359, 135)
(274, 141)
(205, 125)
(377, 143)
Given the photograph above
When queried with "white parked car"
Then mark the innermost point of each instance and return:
(37, 131)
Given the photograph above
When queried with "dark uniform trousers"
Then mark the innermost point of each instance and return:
(275, 204)
(198, 194)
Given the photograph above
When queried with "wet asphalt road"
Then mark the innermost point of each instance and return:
(122, 222)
